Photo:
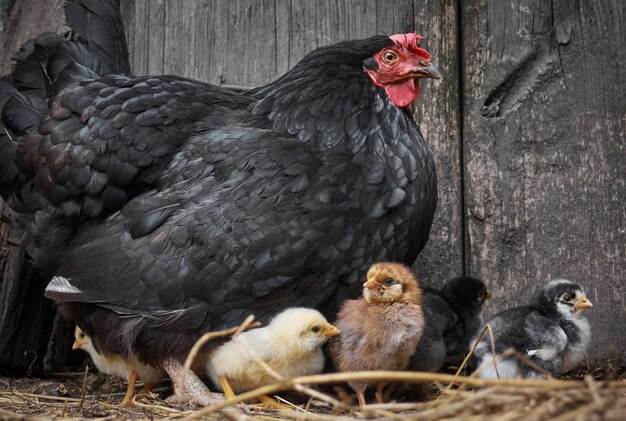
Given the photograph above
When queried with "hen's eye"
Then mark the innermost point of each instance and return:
(388, 282)
(568, 297)
(315, 329)
(390, 56)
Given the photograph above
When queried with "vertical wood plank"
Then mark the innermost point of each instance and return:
(135, 13)
(438, 114)
(544, 152)
(156, 44)
(176, 38)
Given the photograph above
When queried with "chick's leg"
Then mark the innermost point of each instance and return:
(187, 386)
(379, 392)
(359, 389)
(390, 389)
(360, 395)
(268, 402)
(130, 390)
(228, 391)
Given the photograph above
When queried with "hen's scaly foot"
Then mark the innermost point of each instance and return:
(188, 387)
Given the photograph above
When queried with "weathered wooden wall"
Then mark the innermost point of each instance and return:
(527, 128)
(544, 152)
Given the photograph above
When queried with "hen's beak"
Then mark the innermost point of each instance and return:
(76, 345)
(332, 331)
(488, 295)
(583, 303)
(369, 285)
(427, 70)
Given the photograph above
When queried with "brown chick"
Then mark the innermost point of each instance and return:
(381, 330)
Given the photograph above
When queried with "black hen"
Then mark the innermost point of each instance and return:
(170, 207)
(452, 320)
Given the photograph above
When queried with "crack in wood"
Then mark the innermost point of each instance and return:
(520, 83)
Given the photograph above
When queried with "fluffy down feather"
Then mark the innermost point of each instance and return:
(453, 319)
(291, 345)
(551, 331)
(381, 330)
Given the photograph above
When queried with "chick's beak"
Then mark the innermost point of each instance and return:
(369, 285)
(583, 303)
(332, 331)
(76, 345)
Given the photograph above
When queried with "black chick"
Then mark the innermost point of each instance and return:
(551, 331)
(452, 319)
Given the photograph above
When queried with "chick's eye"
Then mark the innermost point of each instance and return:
(315, 329)
(388, 282)
(390, 56)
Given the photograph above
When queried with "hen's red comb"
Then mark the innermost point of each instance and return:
(411, 41)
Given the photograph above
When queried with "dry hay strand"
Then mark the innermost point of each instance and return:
(592, 395)
(553, 399)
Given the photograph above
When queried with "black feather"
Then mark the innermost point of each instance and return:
(453, 319)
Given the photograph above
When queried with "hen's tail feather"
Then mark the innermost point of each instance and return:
(20, 115)
(45, 66)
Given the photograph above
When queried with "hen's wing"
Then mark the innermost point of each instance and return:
(247, 229)
(102, 142)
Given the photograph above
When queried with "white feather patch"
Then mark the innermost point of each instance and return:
(62, 285)
(546, 354)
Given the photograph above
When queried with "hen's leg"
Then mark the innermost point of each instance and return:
(187, 386)
(130, 390)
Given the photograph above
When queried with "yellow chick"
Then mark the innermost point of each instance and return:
(291, 344)
(129, 369)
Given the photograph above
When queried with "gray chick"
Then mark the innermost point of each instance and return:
(551, 331)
